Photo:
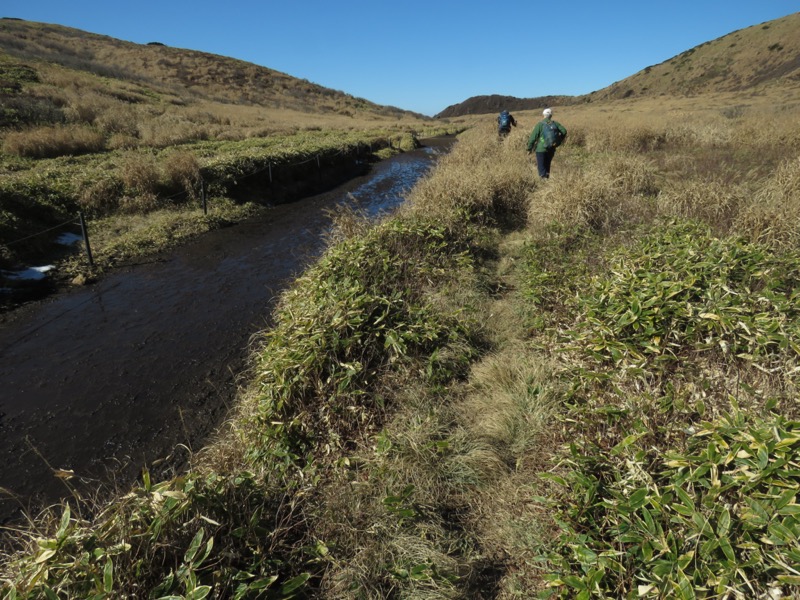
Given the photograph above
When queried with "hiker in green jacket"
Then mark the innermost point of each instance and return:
(546, 136)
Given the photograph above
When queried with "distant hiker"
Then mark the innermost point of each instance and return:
(505, 121)
(546, 136)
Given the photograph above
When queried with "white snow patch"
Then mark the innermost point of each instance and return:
(31, 273)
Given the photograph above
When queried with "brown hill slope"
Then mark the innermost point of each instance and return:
(761, 56)
(66, 60)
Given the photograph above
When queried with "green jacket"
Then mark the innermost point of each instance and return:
(536, 139)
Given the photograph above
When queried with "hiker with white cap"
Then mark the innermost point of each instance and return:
(546, 136)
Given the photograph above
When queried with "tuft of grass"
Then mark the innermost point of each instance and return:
(600, 196)
(484, 180)
(716, 202)
(49, 142)
(771, 216)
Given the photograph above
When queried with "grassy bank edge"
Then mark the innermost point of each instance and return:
(140, 201)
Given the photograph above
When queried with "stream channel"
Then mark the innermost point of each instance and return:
(141, 367)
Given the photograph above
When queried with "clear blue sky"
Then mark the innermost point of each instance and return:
(423, 55)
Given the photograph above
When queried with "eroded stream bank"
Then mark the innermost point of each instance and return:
(103, 380)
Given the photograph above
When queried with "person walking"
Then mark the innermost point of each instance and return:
(546, 136)
(505, 121)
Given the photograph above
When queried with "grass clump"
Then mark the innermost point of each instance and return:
(662, 489)
(50, 142)
(359, 309)
(600, 196)
(681, 289)
(772, 215)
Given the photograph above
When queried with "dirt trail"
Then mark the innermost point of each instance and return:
(105, 379)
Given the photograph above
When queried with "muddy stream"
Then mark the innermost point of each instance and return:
(141, 367)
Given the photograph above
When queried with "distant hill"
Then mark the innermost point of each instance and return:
(478, 105)
(767, 54)
(54, 56)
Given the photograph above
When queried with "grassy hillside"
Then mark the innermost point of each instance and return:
(118, 73)
(760, 60)
(116, 130)
(755, 59)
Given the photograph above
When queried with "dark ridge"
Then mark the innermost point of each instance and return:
(480, 105)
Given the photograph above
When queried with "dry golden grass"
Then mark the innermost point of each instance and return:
(143, 183)
(182, 173)
(600, 195)
(101, 197)
(49, 142)
(715, 200)
(628, 161)
(709, 119)
(486, 173)
(155, 96)
(749, 60)
(772, 214)
(510, 402)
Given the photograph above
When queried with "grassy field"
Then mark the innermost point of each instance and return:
(580, 388)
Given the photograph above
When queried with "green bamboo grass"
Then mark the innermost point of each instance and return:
(491, 391)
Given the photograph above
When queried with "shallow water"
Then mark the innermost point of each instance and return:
(142, 365)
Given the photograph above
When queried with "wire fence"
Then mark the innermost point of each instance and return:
(268, 168)
(81, 222)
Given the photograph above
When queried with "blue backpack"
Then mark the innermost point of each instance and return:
(504, 120)
(551, 134)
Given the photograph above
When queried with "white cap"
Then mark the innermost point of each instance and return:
(547, 112)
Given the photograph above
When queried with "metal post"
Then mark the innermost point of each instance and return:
(203, 196)
(85, 232)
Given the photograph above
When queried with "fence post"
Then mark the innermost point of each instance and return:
(203, 196)
(85, 232)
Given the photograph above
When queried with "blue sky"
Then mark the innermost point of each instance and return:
(423, 55)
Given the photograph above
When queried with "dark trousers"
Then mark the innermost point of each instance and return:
(543, 160)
